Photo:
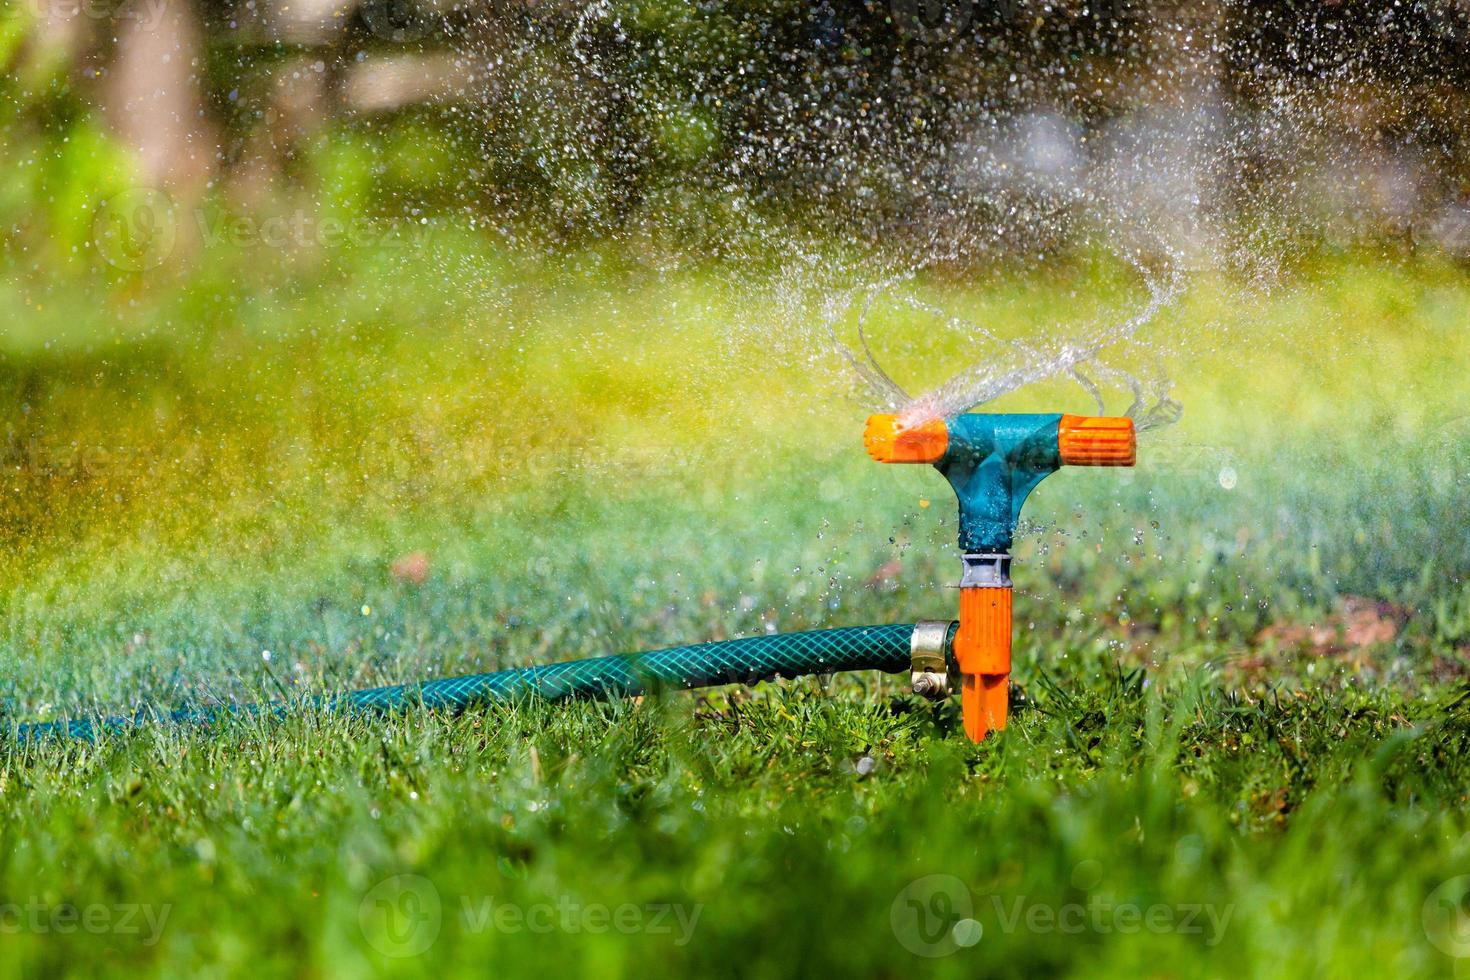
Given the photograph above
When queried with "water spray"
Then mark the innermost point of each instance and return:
(993, 462)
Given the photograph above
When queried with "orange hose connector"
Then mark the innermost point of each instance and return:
(1085, 440)
(982, 650)
(888, 442)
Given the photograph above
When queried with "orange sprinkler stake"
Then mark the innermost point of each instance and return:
(983, 644)
(982, 649)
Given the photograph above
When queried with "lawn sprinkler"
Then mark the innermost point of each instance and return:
(993, 462)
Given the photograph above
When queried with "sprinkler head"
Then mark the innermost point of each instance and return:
(994, 462)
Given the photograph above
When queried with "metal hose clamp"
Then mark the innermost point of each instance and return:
(927, 668)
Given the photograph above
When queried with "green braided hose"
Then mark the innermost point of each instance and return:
(742, 661)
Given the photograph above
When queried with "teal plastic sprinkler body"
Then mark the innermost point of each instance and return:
(993, 462)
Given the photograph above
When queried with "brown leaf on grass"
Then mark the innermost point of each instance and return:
(1446, 669)
(885, 576)
(412, 568)
(1358, 623)
(1367, 622)
(1296, 635)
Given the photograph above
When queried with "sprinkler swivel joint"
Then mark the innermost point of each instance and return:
(993, 462)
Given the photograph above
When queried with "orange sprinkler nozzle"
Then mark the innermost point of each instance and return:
(1096, 441)
(889, 442)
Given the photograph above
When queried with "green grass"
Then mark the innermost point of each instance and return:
(1240, 711)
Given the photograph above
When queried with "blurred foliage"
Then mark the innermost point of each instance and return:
(713, 128)
(57, 157)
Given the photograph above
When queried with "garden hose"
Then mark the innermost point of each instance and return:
(743, 661)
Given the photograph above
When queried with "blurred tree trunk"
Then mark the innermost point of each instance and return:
(153, 95)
